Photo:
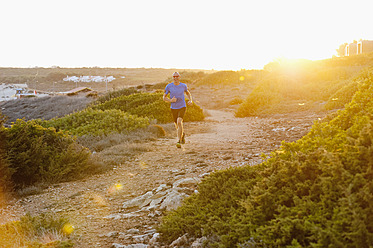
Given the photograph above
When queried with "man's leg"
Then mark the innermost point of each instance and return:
(180, 128)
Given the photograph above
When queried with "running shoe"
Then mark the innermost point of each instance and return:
(178, 145)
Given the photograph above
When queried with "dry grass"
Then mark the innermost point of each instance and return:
(100, 143)
(118, 154)
(116, 148)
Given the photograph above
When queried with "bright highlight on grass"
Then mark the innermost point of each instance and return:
(68, 229)
(115, 188)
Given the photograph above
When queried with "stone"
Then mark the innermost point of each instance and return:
(115, 245)
(138, 201)
(141, 238)
(173, 200)
(154, 239)
(198, 243)
(112, 234)
(187, 182)
(183, 240)
(162, 187)
(113, 216)
(133, 231)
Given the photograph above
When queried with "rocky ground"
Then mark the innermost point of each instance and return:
(122, 207)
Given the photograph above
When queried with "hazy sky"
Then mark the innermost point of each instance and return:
(204, 34)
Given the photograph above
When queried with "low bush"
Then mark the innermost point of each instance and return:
(342, 96)
(96, 122)
(316, 192)
(42, 155)
(116, 93)
(142, 135)
(43, 231)
(150, 105)
(5, 171)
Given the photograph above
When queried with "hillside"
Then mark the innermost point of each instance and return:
(282, 175)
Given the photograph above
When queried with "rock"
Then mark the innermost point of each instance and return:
(183, 240)
(162, 187)
(133, 231)
(142, 238)
(124, 236)
(204, 175)
(130, 215)
(173, 200)
(138, 201)
(112, 234)
(113, 216)
(137, 246)
(115, 245)
(151, 231)
(154, 239)
(186, 182)
(198, 243)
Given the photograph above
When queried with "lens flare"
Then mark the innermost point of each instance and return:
(68, 228)
(242, 78)
(115, 188)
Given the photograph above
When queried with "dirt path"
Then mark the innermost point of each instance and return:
(219, 142)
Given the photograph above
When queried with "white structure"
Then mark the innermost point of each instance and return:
(87, 79)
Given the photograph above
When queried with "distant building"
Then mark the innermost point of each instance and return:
(362, 46)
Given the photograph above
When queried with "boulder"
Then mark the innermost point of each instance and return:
(138, 201)
(187, 182)
(172, 200)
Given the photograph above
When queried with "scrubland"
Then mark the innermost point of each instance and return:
(312, 192)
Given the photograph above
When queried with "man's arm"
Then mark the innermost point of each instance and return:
(190, 97)
(167, 99)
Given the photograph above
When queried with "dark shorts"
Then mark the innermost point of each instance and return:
(176, 113)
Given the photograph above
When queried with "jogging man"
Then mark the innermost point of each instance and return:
(176, 89)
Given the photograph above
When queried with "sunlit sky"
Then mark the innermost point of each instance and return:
(195, 34)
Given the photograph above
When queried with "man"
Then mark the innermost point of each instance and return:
(176, 89)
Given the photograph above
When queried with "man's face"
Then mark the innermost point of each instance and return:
(176, 79)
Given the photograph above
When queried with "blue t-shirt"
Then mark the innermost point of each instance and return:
(178, 92)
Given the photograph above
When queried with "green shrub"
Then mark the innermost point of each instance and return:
(316, 192)
(342, 96)
(113, 94)
(38, 154)
(150, 105)
(5, 171)
(97, 122)
(264, 94)
(43, 231)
